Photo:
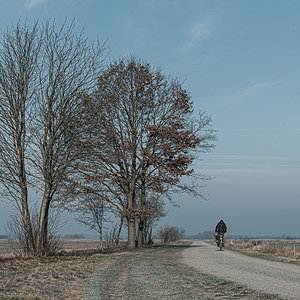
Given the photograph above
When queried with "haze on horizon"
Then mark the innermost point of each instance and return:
(240, 60)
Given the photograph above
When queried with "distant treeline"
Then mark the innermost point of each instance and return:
(207, 235)
(67, 236)
(74, 236)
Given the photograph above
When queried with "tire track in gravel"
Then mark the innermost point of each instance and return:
(157, 273)
(256, 273)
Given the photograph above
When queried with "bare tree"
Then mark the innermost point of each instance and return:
(92, 213)
(156, 201)
(92, 216)
(17, 235)
(47, 69)
(19, 51)
(69, 69)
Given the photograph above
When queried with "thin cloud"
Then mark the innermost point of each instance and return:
(261, 129)
(236, 165)
(251, 90)
(200, 29)
(32, 3)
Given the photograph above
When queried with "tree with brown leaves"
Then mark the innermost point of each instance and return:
(137, 134)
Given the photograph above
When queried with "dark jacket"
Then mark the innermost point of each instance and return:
(221, 227)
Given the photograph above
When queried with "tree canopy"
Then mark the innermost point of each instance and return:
(137, 134)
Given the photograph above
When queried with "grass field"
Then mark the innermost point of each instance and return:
(5, 247)
(281, 250)
(65, 244)
(285, 248)
(150, 273)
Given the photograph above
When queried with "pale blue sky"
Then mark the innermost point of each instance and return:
(241, 62)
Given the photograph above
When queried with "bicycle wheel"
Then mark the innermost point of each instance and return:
(221, 244)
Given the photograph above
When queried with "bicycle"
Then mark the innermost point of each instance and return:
(220, 240)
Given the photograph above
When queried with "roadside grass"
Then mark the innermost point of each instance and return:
(5, 247)
(279, 250)
(9, 248)
(150, 273)
(156, 273)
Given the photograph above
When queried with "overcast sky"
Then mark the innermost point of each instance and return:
(241, 63)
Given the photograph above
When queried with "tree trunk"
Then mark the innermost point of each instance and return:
(131, 233)
(119, 231)
(29, 236)
(140, 234)
(145, 231)
(42, 238)
(131, 219)
(141, 223)
(150, 232)
(28, 232)
(100, 222)
(21, 146)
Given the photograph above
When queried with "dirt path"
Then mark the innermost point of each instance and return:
(150, 273)
(157, 273)
(264, 275)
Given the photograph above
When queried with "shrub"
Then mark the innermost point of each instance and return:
(170, 233)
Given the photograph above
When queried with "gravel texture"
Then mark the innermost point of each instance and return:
(157, 273)
(151, 273)
(259, 274)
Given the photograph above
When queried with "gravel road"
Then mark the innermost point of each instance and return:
(157, 273)
(259, 274)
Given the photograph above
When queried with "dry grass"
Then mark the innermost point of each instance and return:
(8, 248)
(5, 247)
(38, 278)
(281, 249)
(150, 273)
(64, 276)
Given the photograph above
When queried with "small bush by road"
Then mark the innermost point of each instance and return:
(169, 234)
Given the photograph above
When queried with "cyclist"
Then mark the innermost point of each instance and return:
(220, 230)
